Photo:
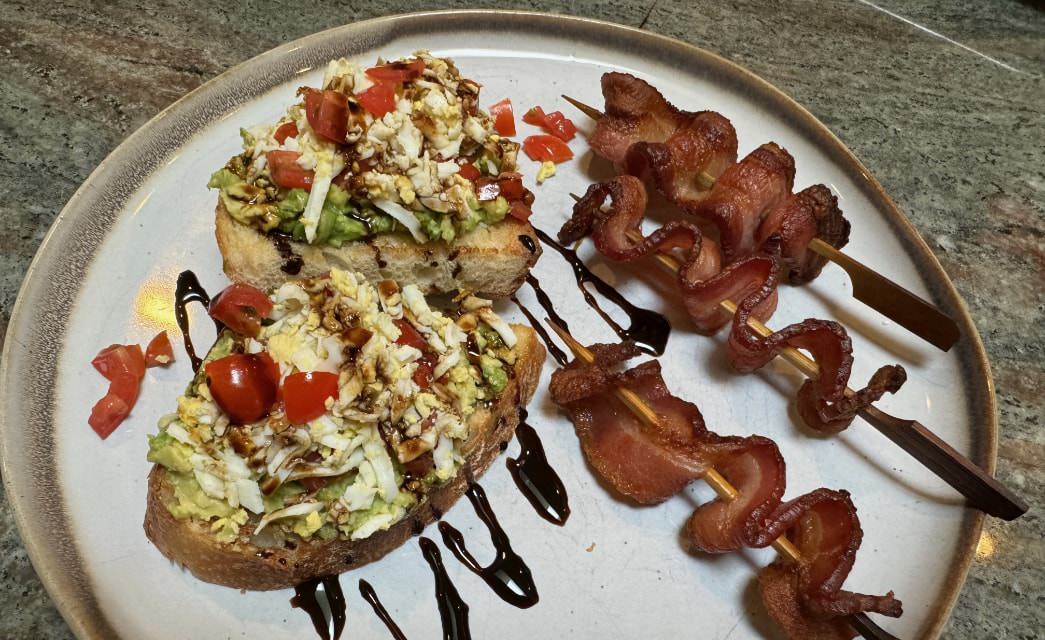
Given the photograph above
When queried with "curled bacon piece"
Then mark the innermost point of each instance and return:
(743, 195)
(810, 213)
(610, 210)
(750, 202)
(650, 464)
(645, 135)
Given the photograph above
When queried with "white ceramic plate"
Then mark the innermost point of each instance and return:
(106, 274)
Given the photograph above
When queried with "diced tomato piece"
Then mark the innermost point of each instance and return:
(546, 147)
(244, 385)
(400, 71)
(124, 367)
(107, 414)
(560, 126)
(520, 211)
(120, 360)
(286, 130)
(534, 116)
(503, 117)
(554, 123)
(425, 366)
(159, 353)
(241, 307)
(126, 388)
(378, 99)
(408, 335)
(327, 113)
(468, 171)
(511, 186)
(285, 172)
(305, 395)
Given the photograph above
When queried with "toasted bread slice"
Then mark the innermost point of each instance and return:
(490, 261)
(191, 544)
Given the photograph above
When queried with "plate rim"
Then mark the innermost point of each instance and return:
(68, 594)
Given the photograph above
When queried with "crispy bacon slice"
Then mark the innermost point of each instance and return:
(610, 210)
(706, 144)
(750, 203)
(650, 464)
(742, 195)
(810, 213)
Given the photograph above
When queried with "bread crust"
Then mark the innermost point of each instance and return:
(191, 544)
(490, 261)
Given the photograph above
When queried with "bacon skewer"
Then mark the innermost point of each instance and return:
(676, 457)
(700, 153)
(983, 491)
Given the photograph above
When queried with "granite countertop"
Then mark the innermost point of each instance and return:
(944, 105)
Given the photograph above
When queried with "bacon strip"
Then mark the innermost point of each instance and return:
(650, 464)
(742, 195)
(610, 210)
(750, 203)
(810, 213)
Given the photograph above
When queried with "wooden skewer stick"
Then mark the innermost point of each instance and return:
(918, 316)
(983, 491)
(725, 490)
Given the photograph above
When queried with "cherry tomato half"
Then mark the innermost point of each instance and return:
(400, 71)
(285, 172)
(546, 147)
(503, 117)
(244, 385)
(327, 114)
(305, 395)
(378, 99)
(159, 353)
(241, 307)
(284, 131)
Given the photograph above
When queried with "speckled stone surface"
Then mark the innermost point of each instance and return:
(946, 106)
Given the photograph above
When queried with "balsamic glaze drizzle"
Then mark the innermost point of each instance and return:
(507, 575)
(452, 609)
(546, 302)
(292, 262)
(189, 290)
(528, 242)
(647, 328)
(370, 596)
(557, 353)
(305, 599)
(535, 478)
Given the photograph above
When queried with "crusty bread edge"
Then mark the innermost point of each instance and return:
(490, 261)
(190, 543)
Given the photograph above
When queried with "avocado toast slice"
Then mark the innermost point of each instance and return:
(353, 417)
(392, 171)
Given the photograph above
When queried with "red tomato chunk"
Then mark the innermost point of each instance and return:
(305, 395)
(241, 307)
(244, 385)
(159, 353)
